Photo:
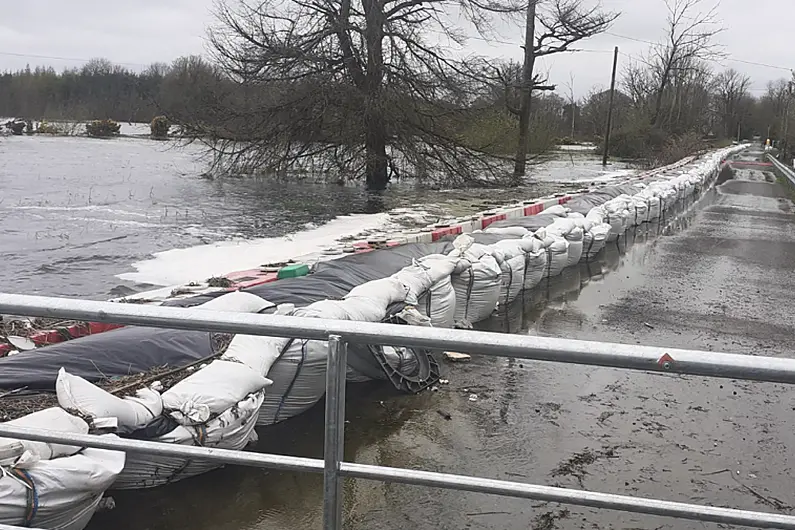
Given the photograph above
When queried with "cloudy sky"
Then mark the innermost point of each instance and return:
(138, 32)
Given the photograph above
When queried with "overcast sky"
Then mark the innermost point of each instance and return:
(138, 32)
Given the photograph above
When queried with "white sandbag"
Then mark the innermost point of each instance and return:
(232, 429)
(256, 351)
(299, 380)
(76, 394)
(536, 267)
(477, 290)
(512, 279)
(421, 275)
(359, 308)
(575, 250)
(594, 241)
(512, 269)
(67, 490)
(211, 391)
(22, 453)
(438, 303)
(557, 252)
(517, 231)
(383, 292)
(557, 210)
(237, 302)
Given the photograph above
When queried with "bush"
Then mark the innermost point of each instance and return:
(102, 128)
(57, 128)
(159, 127)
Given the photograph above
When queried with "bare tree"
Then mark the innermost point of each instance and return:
(689, 42)
(731, 100)
(551, 27)
(350, 86)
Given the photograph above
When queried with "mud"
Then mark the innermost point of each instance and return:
(713, 278)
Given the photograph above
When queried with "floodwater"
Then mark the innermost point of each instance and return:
(715, 276)
(84, 217)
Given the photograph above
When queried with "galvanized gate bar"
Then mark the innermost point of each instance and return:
(591, 499)
(647, 358)
(333, 449)
(410, 476)
(127, 445)
(338, 333)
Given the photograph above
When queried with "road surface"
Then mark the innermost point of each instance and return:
(720, 277)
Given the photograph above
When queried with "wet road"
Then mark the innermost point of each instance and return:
(719, 277)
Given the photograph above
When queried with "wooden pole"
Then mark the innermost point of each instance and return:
(610, 108)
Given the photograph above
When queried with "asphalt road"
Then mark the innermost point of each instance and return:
(718, 277)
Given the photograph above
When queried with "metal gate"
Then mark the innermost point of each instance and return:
(340, 333)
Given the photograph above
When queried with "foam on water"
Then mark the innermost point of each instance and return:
(198, 263)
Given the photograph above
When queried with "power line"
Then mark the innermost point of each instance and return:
(58, 58)
(730, 59)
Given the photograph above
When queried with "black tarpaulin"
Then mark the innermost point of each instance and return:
(115, 353)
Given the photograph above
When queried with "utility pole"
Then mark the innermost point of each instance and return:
(527, 91)
(784, 151)
(610, 108)
(573, 104)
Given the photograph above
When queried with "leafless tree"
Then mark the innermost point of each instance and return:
(731, 100)
(551, 26)
(690, 41)
(351, 87)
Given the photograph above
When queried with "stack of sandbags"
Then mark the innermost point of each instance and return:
(51, 485)
(216, 406)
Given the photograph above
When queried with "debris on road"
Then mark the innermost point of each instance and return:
(455, 357)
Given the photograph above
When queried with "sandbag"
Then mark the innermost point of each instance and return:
(477, 289)
(66, 490)
(237, 302)
(256, 351)
(594, 241)
(299, 380)
(132, 413)
(536, 262)
(211, 391)
(232, 429)
(512, 267)
(512, 279)
(422, 274)
(438, 303)
(382, 293)
(557, 252)
(518, 231)
(557, 210)
(24, 453)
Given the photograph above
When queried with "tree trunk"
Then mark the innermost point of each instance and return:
(520, 165)
(375, 147)
(377, 175)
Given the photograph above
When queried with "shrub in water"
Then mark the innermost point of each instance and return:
(102, 128)
(159, 127)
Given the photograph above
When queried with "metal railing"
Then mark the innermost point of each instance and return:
(340, 333)
(784, 169)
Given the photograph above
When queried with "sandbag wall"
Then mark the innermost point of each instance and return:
(264, 380)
